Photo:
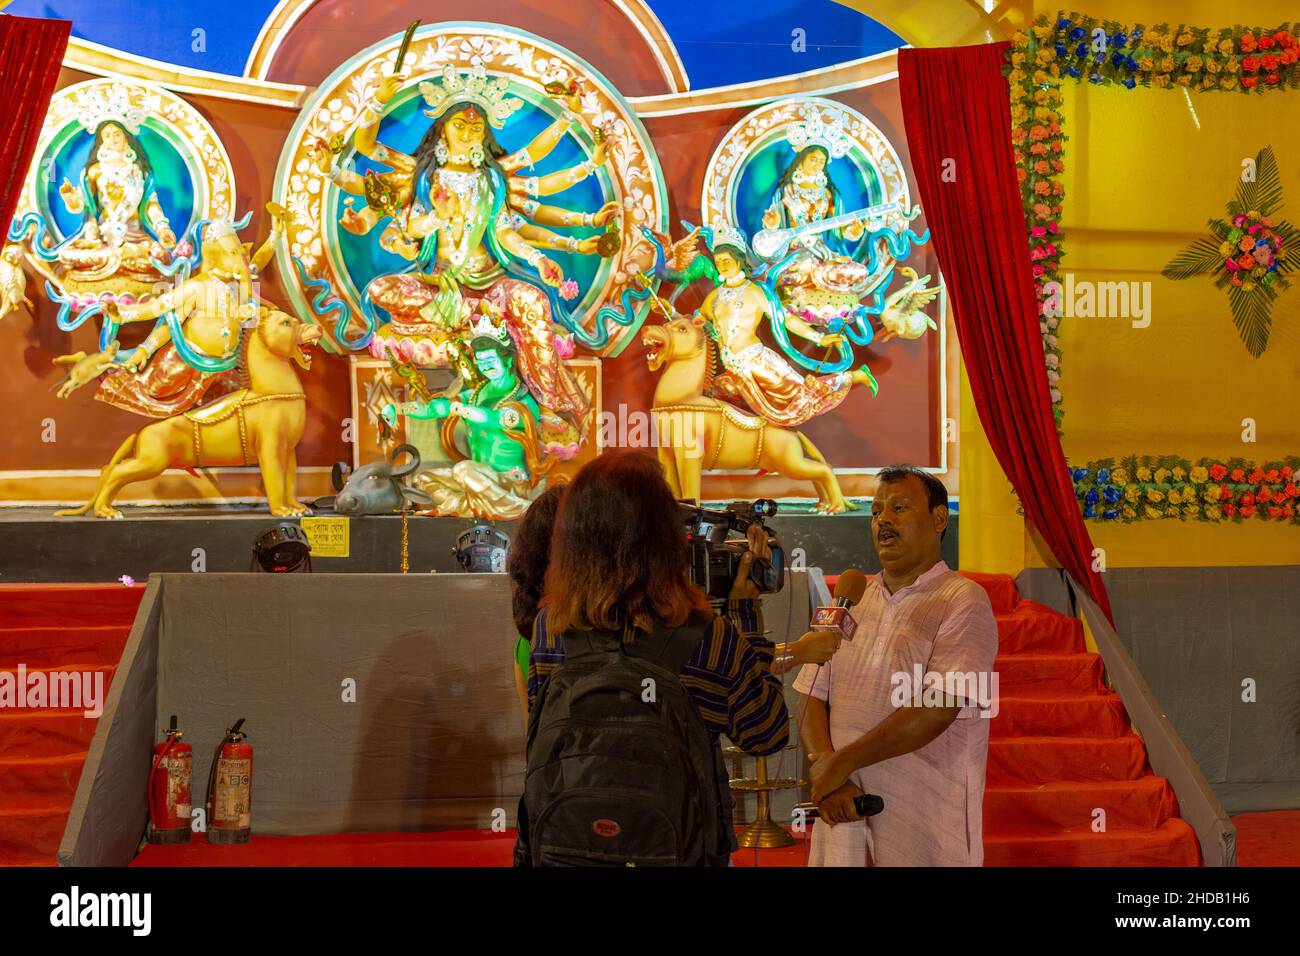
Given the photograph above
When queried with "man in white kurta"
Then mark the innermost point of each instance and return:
(926, 758)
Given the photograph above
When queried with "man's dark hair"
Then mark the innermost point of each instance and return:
(936, 494)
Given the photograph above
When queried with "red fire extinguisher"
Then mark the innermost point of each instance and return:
(170, 783)
(230, 789)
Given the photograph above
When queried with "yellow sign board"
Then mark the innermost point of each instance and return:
(328, 536)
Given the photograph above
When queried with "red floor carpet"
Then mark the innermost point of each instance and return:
(1060, 748)
(52, 628)
(1268, 839)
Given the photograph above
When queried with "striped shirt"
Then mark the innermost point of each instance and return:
(729, 677)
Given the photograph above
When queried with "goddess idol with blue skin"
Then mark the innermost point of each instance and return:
(474, 229)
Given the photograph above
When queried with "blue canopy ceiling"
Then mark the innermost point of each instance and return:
(720, 42)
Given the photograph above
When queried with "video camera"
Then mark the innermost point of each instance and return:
(715, 555)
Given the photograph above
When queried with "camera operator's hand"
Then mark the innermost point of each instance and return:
(837, 806)
(742, 588)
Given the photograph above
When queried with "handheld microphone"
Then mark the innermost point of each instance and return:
(867, 805)
(849, 589)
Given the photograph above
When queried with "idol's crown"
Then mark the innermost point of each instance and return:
(815, 131)
(486, 327)
(490, 93)
(103, 104)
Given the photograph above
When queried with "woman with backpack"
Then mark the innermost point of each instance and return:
(634, 676)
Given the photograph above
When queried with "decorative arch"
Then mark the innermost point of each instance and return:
(288, 12)
(927, 23)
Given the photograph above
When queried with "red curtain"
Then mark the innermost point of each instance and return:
(957, 112)
(31, 53)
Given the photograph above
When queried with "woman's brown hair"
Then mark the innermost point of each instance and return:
(529, 556)
(618, 554)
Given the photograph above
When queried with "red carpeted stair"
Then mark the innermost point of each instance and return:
(59, 628)
(1061, 748)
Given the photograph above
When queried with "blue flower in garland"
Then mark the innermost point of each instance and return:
(1096, 78)
(1131, 63)
(1103, 476)
(1074, 71)
(1110, 514)
(1060, 51)
(1100, 57)
(1111, 494)
(1077, 33)
(1063, 23)
(1081, 50)
(1137, 35)
(1129, 82)
(1090, 512)
(1092, 497)
(1079, 474)
(1119, 39)
(1117, 59)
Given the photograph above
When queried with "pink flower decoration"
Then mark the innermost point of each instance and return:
(568, 290)
(1231, 265)
(1038, 270)
(1053, 228)
(1038, 232)
(127, 580)
(564, 346)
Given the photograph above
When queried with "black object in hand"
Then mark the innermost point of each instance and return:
(867, 805)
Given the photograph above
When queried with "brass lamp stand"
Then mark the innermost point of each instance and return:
(763, 832)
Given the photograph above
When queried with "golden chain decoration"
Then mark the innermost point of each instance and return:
(236, 409)
(731, 415)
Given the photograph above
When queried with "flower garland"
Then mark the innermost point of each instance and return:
(1105, 52)
(1232, 58)
(1146, 487)
(1036, 137)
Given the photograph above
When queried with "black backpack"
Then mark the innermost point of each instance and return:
(622, 771)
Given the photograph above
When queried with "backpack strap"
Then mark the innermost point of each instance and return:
(671, 648)
(583, 643)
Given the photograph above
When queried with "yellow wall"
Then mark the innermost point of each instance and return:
(1145, 169)
(1141, 179)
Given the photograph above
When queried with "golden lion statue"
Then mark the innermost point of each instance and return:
(262, 423)
(697, 433)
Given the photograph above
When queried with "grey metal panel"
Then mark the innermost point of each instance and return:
(110, 808)
(435, 737)
(1197, 634)
(1168, 755)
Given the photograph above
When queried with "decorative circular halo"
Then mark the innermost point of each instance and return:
(868, 149)
(631, 174)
